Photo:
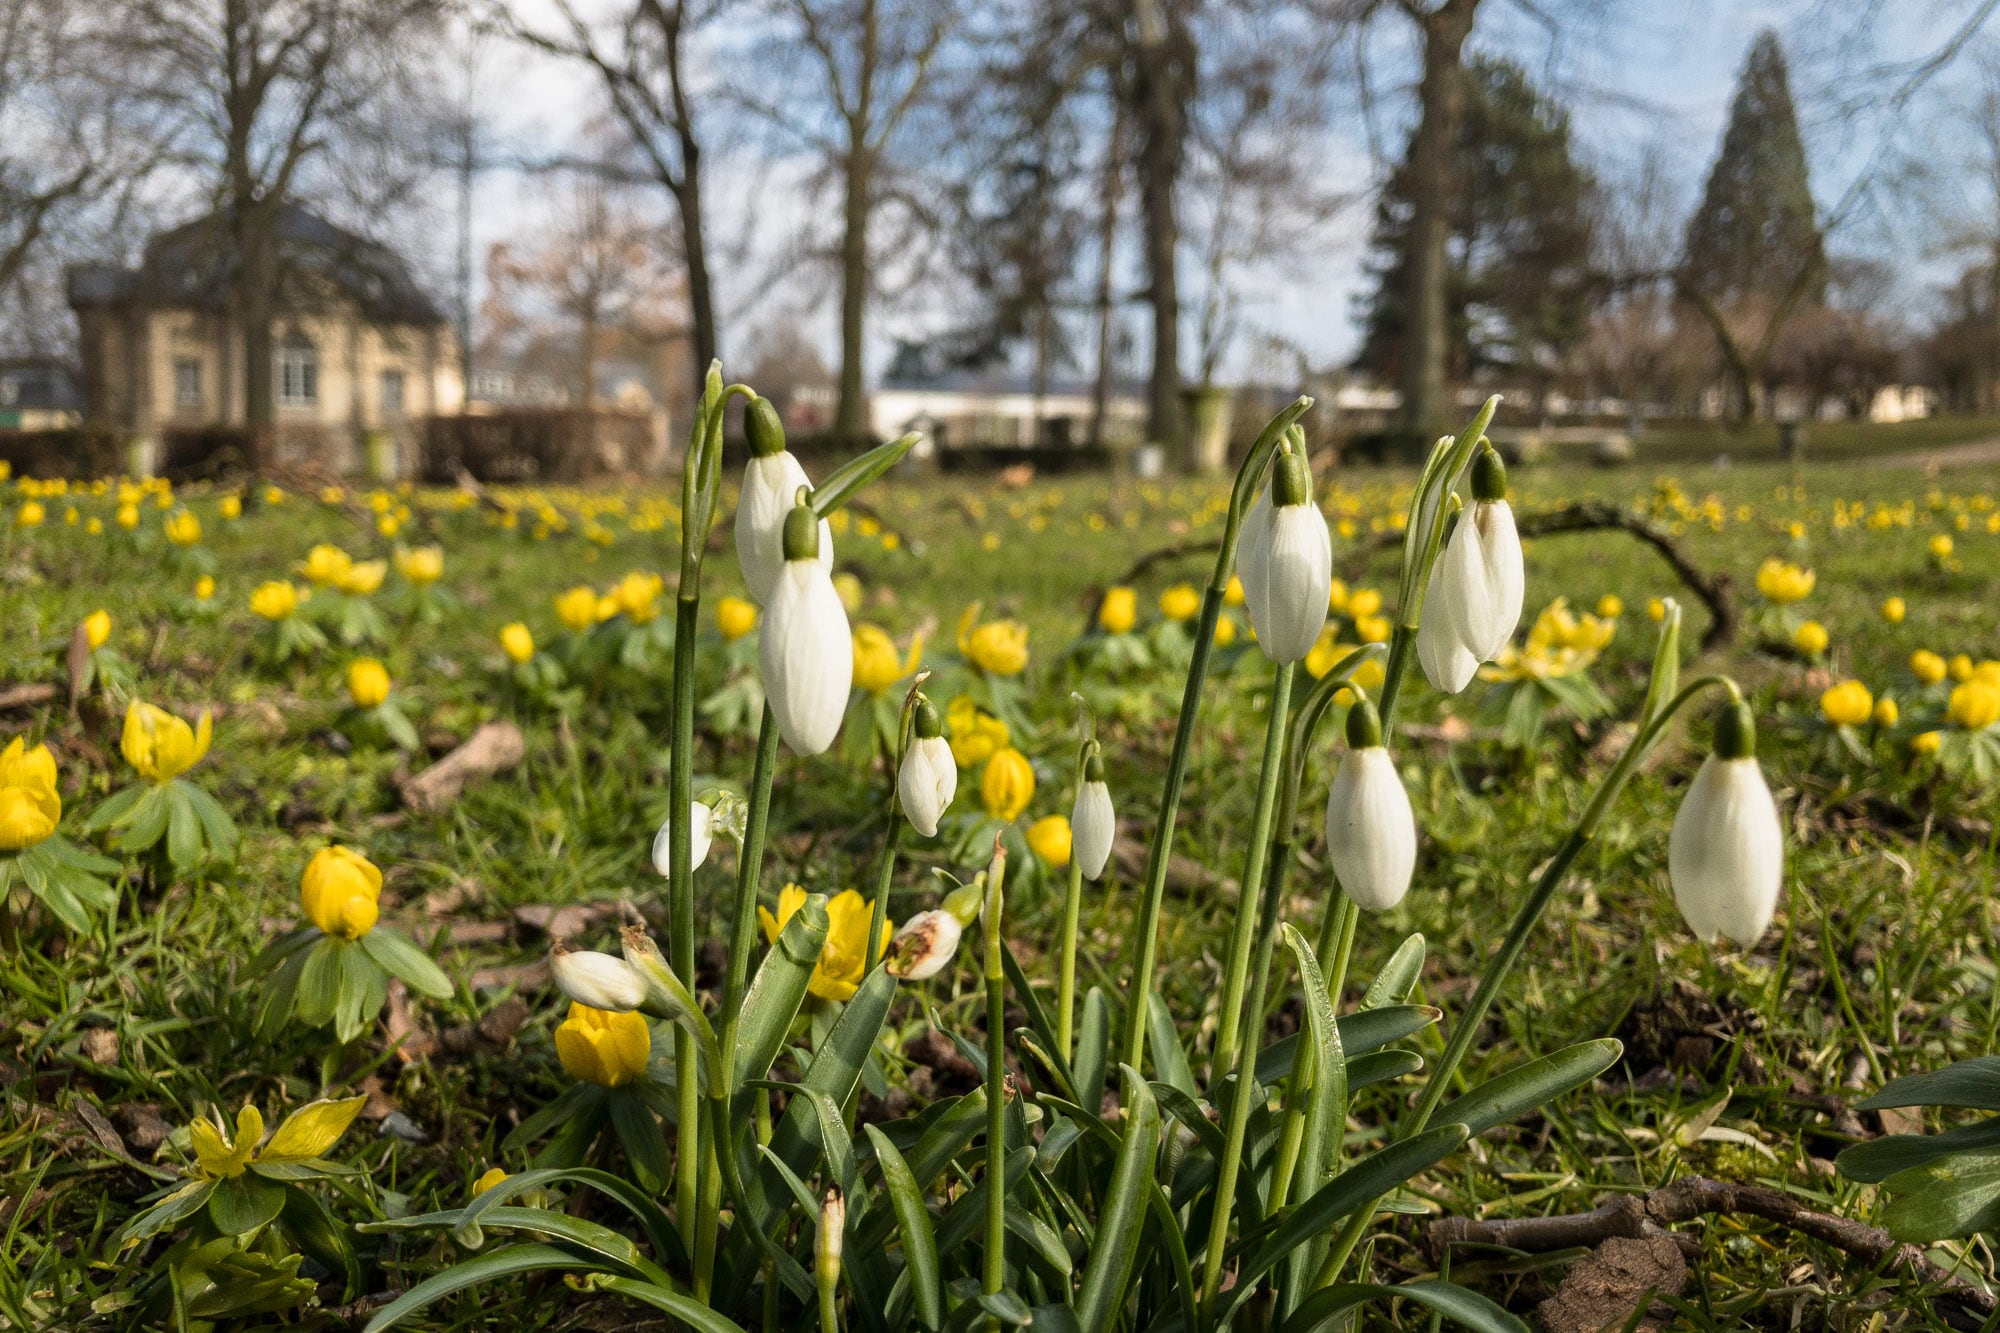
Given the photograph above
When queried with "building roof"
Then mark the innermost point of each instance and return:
(193, 266)
(927, 368)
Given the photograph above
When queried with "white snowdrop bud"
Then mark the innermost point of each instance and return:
(1726, 854)
(924, 945)
(928, 778)
(1448, 665)
(599, 980)
(1287, 568)
(1371, 834)
(1482, 579)
(771, 481)
(806, 650)
(1093, 824)
(701, 834)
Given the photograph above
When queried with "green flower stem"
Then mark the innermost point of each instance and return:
(1066, 980)
(1146, 939)
(1242, 930)
(1400, 642)
(1501, 966)
(994, 1274)
(878, 918)
(680, 939)
(829, 1313)
(749, 874)
(1336, 935)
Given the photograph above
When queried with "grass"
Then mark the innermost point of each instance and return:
(1881, 962)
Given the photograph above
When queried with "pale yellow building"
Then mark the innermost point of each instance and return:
(361, 355)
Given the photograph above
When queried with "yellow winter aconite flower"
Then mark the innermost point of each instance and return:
(30, 514)
(842, 959)
(128, 516)
(1783, 582)
(1847, 704)
(1941, 546)
(974, 733)
(602, 1047)
(577, 608)
(735, 617)
(1810, 638)
(231, 506)
(340, 892)
(1974, 704)
(876, 665)
(1893, 610)
(274, 600)
(492, 1176)
(306, 1135)
(845, 585)
(97, 629)
(326, 565)
(1960, 667)
(1610, 606)
(30, 806)
(1225, 632)
(1180, 602)
(204, 587)
(422, 565)
(1232, 593)
(1656, 609)
(1887, 714)
(998, 646)
(367, 682)
(1119, 610)
(1364, 603)
(1560, 643)
(1927, 666)
(1007, 784)
(161, 746)
(1049, 838)
(363, 578)
(1326, 650)
(182, 527)
(638, 596)
(1929, 743)
(518, 642)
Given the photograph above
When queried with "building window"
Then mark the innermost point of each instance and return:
(187, 382)
(392, 393)
(298, 374)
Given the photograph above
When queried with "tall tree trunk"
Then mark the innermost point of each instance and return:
(587, 360)
(850, 423)
(694, 240)
(1107, 241)
(1433, 186)
(1159, 104)
(255, 225)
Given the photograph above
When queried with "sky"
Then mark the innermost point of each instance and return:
(1642, 78)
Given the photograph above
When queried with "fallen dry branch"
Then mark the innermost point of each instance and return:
(1637, 1216)
(494, 748)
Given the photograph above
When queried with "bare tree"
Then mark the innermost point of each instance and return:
(643, 55)
(262, 93)
(860, 74)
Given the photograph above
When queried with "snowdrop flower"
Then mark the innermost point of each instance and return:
(701, 832)
(1480, 577)
(771, 481)
(1371, 835)
(928, 778)
(1284, 558)
(1092, 822)
(1726, 854)
(597, 980)
(924, 945)
(806, 651)
(1448, 664)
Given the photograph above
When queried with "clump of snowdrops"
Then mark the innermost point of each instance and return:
(1203, 1199)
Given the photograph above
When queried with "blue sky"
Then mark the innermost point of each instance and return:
(1641, 78)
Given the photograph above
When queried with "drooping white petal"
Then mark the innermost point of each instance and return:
(807, 656)
(1298, 577)
(599, 980)
(926, 782)
(1093, 825)
(1371, 833)
(770, 488)
(1506, 575)
(701, 832)
(1447, 664)
(1253, 555)
(1726, 854)
(924, 945)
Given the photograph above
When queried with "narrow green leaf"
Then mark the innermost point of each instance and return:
(1974, 1084)
(500, 1263)
(777, 991)
(664, 1298)
(1881, 1158)
(399, 956)
(1398, 977)
(1522, 1089)
(844, 481)
(1121, 1223)
(913, 1218)
(1325, 1309)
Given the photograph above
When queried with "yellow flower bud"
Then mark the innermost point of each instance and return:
(30, 514)
(204, 587)
(1893, 610)
(1974, 704)
(1610, 606)
(1810, 638)
(422, 566)
(1847, 704)
(1119, 610)
(326, 565)
(1225, 632)
(1232, 593)
(1887, 714)
(735, 617)
(367, 682)
(601, 1047)
(492, 1176)
(518, 642)
(1180, 602)
(876, 665)
(1007, 784)
(1941, 546)
(845, 585)
(97, 629)
(161, 746)
(1656, 609)
(1783, 583)
(1927, 666)
(577, 609)
(1960, 667)
(183, 528)
(30, 806)
(231, 506)
(1929, 743)
(340, 892)
(998, 646)
(274, 600)
(363, 578)
(1050, 838)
